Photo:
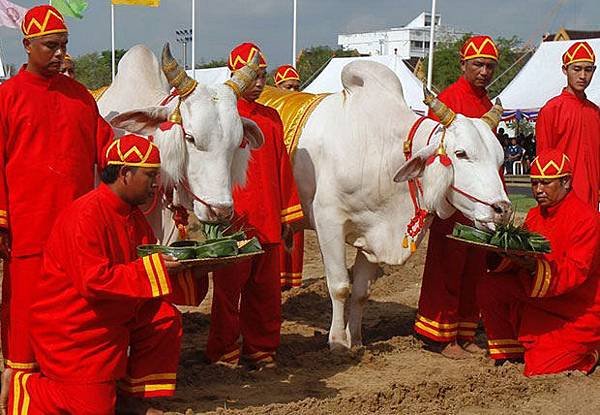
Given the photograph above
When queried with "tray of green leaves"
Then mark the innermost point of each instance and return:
(508, 238)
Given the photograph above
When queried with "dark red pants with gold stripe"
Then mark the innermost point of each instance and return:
(34, 394)
(189, 288)
(447, 306)
(503, 302)
(20, 278)
(246, 302)
(291, 264)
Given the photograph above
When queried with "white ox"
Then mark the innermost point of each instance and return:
(352, 177)
(202, 157)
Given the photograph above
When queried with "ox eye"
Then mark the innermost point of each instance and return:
(189, 138)
(461, 154)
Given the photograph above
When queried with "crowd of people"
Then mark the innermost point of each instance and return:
(519, 149)
(88, 327)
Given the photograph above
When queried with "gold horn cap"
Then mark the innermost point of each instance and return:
(494, 115)
(445, 114)
(243, 78)
(176, 75)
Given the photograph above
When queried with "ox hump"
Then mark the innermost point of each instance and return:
(364, 73)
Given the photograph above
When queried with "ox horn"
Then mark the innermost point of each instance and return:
(445, 114)
(243, 78)
(176, 75)
(494, 115)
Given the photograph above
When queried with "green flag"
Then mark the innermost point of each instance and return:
(71, 8)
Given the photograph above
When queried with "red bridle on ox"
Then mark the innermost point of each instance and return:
(417, 222)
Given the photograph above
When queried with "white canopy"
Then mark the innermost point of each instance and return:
(542, 78)
(330, 80)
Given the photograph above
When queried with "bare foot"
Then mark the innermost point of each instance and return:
(6, 377)
(455, 352)
(472, 348)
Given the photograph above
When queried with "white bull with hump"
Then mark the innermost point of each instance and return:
(352, 175)
(203, 157)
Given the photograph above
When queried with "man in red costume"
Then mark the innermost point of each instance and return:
(96, 299)
(548, 309)
(287, 77)
(43, 117)
(448, 314)
(291, 263)
(247, 296)
(570, 123)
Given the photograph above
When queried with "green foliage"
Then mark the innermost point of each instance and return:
(215, 63)
(312, 60)
(447, 62)
(94, 69)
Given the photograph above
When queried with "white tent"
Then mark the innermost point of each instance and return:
(329, 80)
(211, 76)
(542, 78)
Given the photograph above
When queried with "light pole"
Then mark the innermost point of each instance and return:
(184, 36)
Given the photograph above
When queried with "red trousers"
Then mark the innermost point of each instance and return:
(20, 278)
(291, 263)
(189, 288)
(447, 306)
(504, 302)
(246, 301)
(34, 394)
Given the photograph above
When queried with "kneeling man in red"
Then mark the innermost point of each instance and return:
(97, 300)
(546, 309)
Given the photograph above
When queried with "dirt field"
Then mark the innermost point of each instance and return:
(391, 374)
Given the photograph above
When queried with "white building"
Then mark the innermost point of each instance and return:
(410, 41)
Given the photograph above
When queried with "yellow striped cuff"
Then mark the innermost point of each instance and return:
(148, 378)
(157, 275)
(4, 221)
(543, 277)
(3, 214)
(503, 342)
(436, 324)
(291, 209)
(148, 388)
(292, 217)
(435, 332)
(506, 350)
(20, 366)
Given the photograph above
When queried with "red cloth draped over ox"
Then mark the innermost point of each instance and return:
(447, 304)
(294, 108)
(553, 316)
(572, 125)
(96, 300)
(51, 135)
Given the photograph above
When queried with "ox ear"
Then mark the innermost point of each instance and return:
(141, 121)
(252, 133)
(414, 167)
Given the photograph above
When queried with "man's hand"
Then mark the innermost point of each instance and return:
(4, 244)
(524, 261)
(173, 265)
(287, 236)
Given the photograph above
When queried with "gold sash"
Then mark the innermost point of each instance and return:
(294, 108)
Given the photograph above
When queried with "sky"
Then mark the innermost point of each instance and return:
(223, 24)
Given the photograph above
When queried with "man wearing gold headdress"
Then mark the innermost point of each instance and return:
(546, 310)
(247, 296)
(287, 78)
(571, 123)
(51, 135)
(448, 314)
(101, 314)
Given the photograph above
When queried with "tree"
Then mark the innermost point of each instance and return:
(312, 60)
(446, 60)
(94, 69)
(215, 63)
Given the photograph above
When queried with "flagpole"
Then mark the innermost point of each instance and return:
(294, 35)
(431, 44)
(112, 39)
(194, 39)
